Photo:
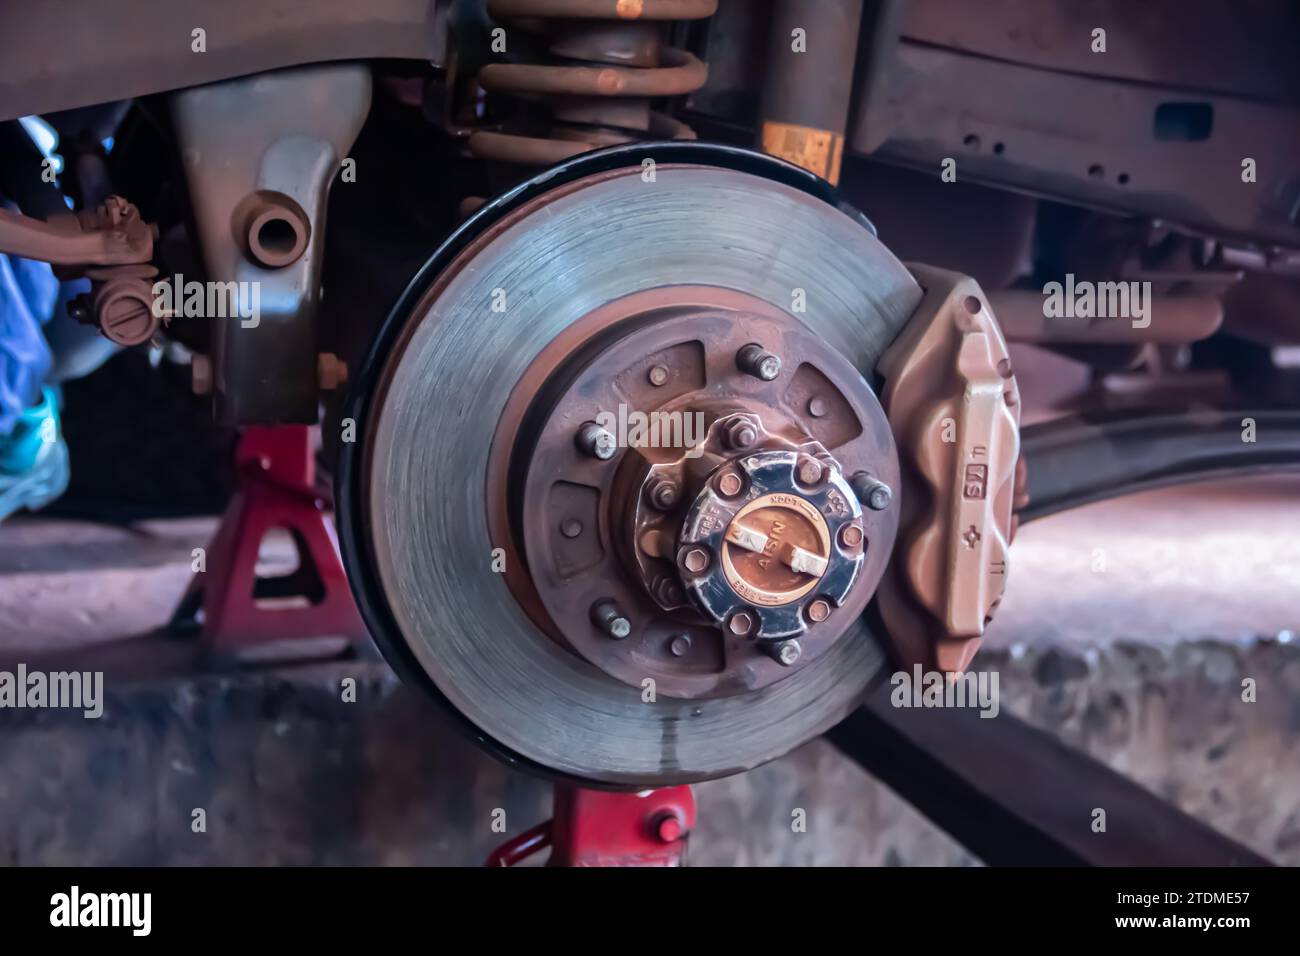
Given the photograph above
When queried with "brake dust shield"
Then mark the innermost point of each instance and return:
(456, 462)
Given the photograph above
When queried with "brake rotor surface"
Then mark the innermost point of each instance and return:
(440, 500)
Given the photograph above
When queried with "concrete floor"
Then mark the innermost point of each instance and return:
(1135, 656)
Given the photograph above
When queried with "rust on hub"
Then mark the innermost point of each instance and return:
(721, 524)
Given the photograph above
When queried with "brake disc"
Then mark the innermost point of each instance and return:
(622, 612)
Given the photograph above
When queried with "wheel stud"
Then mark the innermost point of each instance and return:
(876, 495)
(740, 434)
(786, 652)
(607, 616)
(596, 441)
(755, 360)
(662, 492)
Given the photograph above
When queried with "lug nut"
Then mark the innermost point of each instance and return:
(730, 484)
(695, 560)
(810, 471)
(818, 610)
(596, 441)
(658, 375)
(786, 652)
(607, 616)
(755, 360)
(850, 536)
(662, 492)
(876, 495)
(740, 434)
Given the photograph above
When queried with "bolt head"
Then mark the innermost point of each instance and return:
(658, 375)
(788, 653)
(810, 471)
(818, 610)
(730, 484)
(570, 527)
(850, 536)
(741, 623)
(817, 407)
(695, 560)
(619, 628)
(680, 645)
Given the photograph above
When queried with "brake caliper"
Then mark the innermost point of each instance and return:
(952, 401)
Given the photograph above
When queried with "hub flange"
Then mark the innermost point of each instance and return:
(691, 468)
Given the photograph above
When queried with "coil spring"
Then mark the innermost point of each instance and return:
(610, 62)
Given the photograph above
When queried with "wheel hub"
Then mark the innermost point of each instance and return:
(781, 561)
(685, 509)
(485, 538)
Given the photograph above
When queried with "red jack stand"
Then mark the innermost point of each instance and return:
(276, 489)
(597, 828)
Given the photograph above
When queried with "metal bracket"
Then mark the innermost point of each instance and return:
(260, 154)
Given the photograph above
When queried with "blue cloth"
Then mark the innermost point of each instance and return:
(33, 459)
(28, 292)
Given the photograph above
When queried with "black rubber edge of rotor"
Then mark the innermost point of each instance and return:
(349, 510)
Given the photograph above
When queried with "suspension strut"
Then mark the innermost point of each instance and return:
(606, 60)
